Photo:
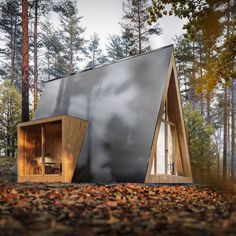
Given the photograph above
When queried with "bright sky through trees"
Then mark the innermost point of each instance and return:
(103, 17)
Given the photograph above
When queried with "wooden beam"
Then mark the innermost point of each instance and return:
(43, 148)
(168, 122)
(166, 139)
(173, 179)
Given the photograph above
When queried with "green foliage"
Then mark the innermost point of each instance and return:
(181, 8)
(201, 147)
(65, 46)
(116, 48)
(51, 40)
(72, 35)
(186, 59)
(10, 116)
(10, 27)
(66, 8)
(226, 69)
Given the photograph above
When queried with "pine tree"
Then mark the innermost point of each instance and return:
(185, 58)
(191, 65)
(56, 65)
(195, 82)
(94, 53)
(10, 27)
(38, 10)
(116, 48)
(135, 28)
(72, 35)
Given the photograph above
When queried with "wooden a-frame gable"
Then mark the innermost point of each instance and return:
(169, 158)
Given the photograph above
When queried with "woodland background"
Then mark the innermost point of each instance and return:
(34, 51)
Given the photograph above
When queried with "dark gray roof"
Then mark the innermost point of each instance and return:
(121, 102)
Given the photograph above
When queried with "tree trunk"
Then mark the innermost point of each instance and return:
(233, 111)
(201, 76)
(8, 137)
(208, 107)
(228, 134)
(25, 62)
(36, 55)
(233, 105)
(71, 56)
(11, 50)
(202, 106)
(193, 98)
(209, 122)
(139, 29)
(93, 65)
(225, 134)
(48, 63)
(13, 147)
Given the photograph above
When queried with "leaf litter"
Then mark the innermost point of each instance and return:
(121, 209)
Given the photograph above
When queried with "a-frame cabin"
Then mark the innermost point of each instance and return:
(121, 122)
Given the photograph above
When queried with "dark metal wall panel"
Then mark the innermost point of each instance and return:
(121, 102)
(74, 95)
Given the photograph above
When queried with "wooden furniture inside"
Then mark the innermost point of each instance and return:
(169, 158)
(48, 148)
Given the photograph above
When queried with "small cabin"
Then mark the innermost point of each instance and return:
(121, 122)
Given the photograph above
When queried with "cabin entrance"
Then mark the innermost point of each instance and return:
(43, 149)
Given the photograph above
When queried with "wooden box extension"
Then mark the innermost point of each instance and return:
(48, 148)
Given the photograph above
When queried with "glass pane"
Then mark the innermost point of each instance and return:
(170, 152)
(152, 169)
(160, 157)
(32, 145)
(53, 146)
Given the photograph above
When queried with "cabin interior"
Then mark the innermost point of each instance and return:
(43, 149)
(48, 148)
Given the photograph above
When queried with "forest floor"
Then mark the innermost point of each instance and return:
(119, 209)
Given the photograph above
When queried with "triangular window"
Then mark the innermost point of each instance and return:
(169, 160)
